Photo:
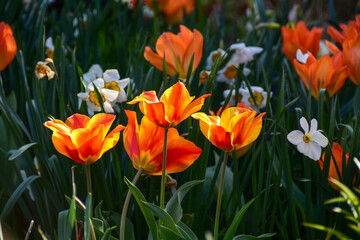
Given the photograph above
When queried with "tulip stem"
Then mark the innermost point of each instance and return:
(126, 205)
(218, 204)
(162, 189)
(88, 180)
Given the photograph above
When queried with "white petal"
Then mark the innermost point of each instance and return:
(246, 71)
(123, 82)
(304, 125)
(226, 93)
(96, 70)
(303, 147)
(98, 83)
(319, 138)
(122, 96)
(111, 75)
(110, 95)
(302, 58)
(236, 46)
(314, 151)
(357, 162)
(108, 108)
(88, 77)
(92, 106)
(295, 137)
(49, 43)
(313, 126)
(83, 95)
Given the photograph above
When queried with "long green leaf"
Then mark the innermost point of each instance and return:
(235, 223)
(20, 151)
(139, 197)
(15, 196)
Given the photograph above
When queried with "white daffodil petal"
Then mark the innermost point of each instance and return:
(111, 75)
(96, 70)
(246, 71)
(304, 125)
(302, 58)
(313, 126)
(314, 151)
(319, 138)
(303, 147)
(122, 96)
(295, 137)
(110, 95)
(83, 95)
(88, 77)
(92, 106)
(123, 82)
(108, 107)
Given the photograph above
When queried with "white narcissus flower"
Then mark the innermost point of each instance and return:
(50, 48)
(244, 54)
(310, 142)
(113, 82)
(108, 96)
(43, 69)
(210, 61)
(94, 72)
(244, 95)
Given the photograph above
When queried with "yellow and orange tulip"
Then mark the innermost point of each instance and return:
(178, 51)
(234, 130)
(327, 72)
(172, 9)
(8, 45)
(144, 144)
(337, 151)
(82, 139)
(174, 106)
(300, 38)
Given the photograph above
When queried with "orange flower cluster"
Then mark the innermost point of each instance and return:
(8, 45)
(349, 39)
(177, 51)
(172, 9)
(301, 38)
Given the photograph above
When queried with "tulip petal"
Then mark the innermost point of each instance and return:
(194, 48)
(58, 126)
(194, 107)
(111, 139)
(102, 119)
(77, 121)
(130, 135)
(172, 47)
(63, 145)
(157, 62)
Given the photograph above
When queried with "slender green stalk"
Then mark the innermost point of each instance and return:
(88, 180)
(126, 205)
(162, 189)
(218, 204)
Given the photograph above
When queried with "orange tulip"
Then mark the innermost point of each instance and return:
(337, 151)
(174, 106)
(172, 9)
(83, 139)
(144, 145)
(300, 38)
(235, 129)
(178, 51)
(8, 45)
(346, 30)
(327, 72)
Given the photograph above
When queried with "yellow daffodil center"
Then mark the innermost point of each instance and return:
(42, 69)
(203, 77)
(49, 53)
(307, 138)
(230, 72)
(258, 98)
(112, 86)
(215, 55)
(93, 98)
